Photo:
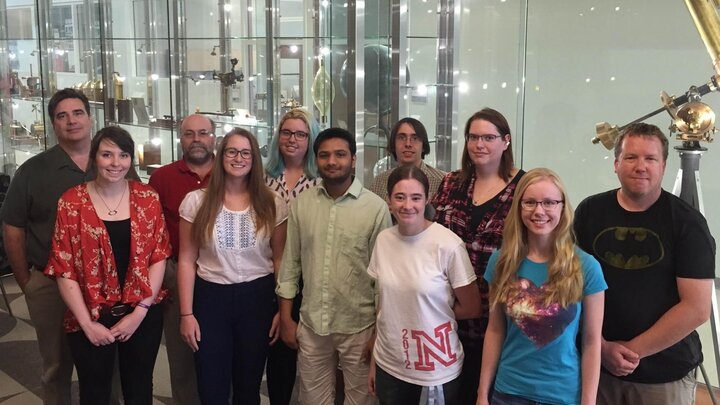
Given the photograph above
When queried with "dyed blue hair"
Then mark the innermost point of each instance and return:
(275, 164)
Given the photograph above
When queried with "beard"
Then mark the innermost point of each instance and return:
(337, 178)
(198, 155)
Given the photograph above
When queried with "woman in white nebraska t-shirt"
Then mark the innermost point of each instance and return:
(425, 283)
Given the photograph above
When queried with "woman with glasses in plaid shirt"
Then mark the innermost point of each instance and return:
(473, 203)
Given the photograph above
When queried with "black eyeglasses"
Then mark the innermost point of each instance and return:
(299, 135)
(547, 205)
(232, 153)
(486, 138)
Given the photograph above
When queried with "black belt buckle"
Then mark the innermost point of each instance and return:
(119, 310)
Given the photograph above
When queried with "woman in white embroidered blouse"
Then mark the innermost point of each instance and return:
(232, 235)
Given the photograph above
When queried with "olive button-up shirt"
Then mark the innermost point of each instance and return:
(329, 242)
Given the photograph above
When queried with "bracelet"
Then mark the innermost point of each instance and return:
(142, 305)
(190, 314)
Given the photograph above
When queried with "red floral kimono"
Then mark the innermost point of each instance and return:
(81, 249)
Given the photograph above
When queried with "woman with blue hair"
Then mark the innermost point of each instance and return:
(290, 170)
(291, 167)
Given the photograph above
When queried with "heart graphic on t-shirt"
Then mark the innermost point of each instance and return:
(540, 323)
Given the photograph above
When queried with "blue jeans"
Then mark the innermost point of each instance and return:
(234, 323)
(393, 391)
(498, 398)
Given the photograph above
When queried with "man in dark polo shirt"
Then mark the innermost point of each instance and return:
(28, 216)
(173, 182)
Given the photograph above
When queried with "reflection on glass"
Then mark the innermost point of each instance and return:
(323, 91)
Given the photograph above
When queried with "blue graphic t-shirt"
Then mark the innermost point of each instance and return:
(539, 359)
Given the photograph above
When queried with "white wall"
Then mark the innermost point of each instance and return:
(584, 62)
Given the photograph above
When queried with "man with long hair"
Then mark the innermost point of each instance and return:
(408, 145)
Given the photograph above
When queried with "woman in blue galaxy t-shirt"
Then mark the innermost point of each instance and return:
(542, 288)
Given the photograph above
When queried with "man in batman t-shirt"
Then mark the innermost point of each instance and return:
(658, 259)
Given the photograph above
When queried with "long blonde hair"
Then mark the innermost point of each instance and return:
(565, 281)
(262, 199)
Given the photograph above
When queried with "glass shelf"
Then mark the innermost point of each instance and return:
(173, 60)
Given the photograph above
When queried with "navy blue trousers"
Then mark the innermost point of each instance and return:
(234, 323)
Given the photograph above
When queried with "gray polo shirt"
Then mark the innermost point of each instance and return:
(32, 198)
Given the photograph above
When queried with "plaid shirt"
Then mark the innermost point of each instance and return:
(454, 207)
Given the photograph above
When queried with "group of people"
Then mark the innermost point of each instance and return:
(479, 286)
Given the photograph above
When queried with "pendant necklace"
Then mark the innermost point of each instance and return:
(111, 212)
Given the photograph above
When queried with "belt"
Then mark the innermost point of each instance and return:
(117, 310)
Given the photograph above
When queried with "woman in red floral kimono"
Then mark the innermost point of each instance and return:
(108, 256)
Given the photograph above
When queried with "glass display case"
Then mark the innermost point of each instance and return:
(145, 64)
(163, 63)
(35, 61)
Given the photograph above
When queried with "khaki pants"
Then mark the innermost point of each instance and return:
(318, 359)
(614, 391)
(183, 379)
(47, 309)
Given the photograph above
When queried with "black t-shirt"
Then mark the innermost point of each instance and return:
(119, 232)
(641, 254)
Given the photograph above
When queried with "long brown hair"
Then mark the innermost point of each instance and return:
(565, 281)
(506, 160)
(262, 199)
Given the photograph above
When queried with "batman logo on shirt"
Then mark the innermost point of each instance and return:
(629, 248)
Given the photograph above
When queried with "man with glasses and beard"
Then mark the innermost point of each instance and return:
(173, 182)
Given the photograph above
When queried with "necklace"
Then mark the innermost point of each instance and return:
(492, 191)
(111, 212)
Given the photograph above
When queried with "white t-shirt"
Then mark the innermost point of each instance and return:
(236, 253)
(417, 338)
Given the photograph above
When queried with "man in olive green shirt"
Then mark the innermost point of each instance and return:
(331, 234)
(28, 216)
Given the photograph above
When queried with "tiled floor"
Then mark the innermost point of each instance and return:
(20, 361)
